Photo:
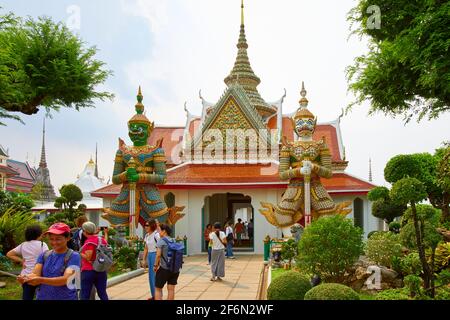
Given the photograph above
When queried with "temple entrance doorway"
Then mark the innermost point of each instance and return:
(234, 207)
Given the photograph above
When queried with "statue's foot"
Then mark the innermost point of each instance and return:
(269, 213)
(343, 209)
(174, 215)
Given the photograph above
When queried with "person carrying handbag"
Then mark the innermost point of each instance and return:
(219, 242)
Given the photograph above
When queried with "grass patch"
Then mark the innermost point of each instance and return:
(366, 296)
(12, 291)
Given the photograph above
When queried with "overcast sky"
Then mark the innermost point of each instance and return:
(173, 48)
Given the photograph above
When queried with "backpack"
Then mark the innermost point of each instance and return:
(174, 255)
(66, 259)
(75, 242)
(103, 256)
(230, 237)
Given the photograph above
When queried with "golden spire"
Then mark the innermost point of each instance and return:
(303, 111)
(242, 13)
(303, 101)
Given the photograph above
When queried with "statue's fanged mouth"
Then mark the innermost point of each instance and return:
(138, 133)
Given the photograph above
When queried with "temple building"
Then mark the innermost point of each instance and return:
(43, 174)
(15, 176)
(218, 189)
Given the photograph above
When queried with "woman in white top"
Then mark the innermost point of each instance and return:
(219, 241)
(151, 238)
(26, 254)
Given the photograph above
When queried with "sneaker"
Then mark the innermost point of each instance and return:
(232, 257)
(219, 278)
(213, 279)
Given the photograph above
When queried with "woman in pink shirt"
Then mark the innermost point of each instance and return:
(26, 254)
(90, 277)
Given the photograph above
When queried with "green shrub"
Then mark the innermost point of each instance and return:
(393, 294)
(329, 246)
(125, 258)
(394, 226)
(289, 250)
(442, 293)
(290, 285)
(412, 283)
(383, 247)
(331, 291)
(411, 264)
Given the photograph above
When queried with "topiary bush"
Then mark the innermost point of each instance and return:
(383, 247)
(331, 291)
(290, 285)
(328, 247)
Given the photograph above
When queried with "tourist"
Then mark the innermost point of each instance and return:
(55, 267)
(26, 254)
(77, 237)
(239, 229)
(161, 267)
(250, 230)
(89, 277)
(219, 241)
(230, 239)
(208, 247)
(151, 239)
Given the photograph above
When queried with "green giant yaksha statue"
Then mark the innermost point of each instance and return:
(139, 168)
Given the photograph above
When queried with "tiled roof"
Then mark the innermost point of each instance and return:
(171, 138)
(240, 175)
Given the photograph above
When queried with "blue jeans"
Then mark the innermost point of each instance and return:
(91, 278)
(28, 291)
(151, 257)
(229, 249)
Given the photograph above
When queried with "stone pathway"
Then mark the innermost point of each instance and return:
(241, 281)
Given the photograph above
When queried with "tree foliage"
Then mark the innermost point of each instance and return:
(407, 70)
(19, 201)
(383, 207)
(433, 171)
(42, 63)
(329, 246)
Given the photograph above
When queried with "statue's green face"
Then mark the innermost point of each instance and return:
(138, 133)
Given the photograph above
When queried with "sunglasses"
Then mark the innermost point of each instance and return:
(147, 225)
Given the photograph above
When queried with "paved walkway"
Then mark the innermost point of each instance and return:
(240, 283)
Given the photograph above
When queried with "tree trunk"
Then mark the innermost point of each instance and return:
(433, 289)
(420, 248)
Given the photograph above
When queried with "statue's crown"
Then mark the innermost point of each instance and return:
(302, 111)
(140, 117)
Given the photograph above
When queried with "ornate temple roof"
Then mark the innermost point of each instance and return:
(25, 178)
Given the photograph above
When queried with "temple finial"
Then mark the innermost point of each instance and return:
(139, 106)
(303, 101)
(370, 170)
(96, 162)
(242, 12)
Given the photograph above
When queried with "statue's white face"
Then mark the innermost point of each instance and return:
(305, 127)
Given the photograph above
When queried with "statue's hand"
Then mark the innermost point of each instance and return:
(306, 168)
(132, 175)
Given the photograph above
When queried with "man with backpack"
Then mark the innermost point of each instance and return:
(169, 260)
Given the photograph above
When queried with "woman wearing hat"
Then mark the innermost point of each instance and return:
(90, 277)
(55, 268)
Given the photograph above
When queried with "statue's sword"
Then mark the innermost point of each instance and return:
(307, 192)
(132, 185)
